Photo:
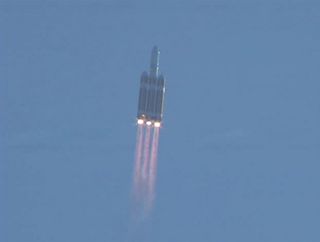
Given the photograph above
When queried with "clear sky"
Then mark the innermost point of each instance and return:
(240, 147)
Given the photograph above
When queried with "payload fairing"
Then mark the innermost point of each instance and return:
(151, 95)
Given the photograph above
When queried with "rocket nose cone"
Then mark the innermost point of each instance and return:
(155, 55)
(155, 49)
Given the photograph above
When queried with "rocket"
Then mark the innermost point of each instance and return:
(151, 94)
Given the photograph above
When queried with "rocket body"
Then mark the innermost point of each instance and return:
(151, 94)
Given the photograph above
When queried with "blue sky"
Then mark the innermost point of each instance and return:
(239, 150)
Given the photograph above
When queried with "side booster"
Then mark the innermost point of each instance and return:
(151, 95)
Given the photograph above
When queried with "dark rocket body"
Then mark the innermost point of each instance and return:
(151, 95)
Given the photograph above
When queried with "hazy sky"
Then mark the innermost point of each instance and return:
(240, 147)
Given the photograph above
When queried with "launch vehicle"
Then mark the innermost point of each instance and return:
(151, 94)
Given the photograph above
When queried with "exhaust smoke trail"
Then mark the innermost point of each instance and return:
(146, 152)
(138, 155)
(153, 167)
(145, 168)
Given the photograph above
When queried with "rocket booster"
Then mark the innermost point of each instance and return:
(151, 94)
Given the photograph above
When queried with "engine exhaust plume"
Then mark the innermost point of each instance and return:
(146, 152)
(138, 162)
(152, 173)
